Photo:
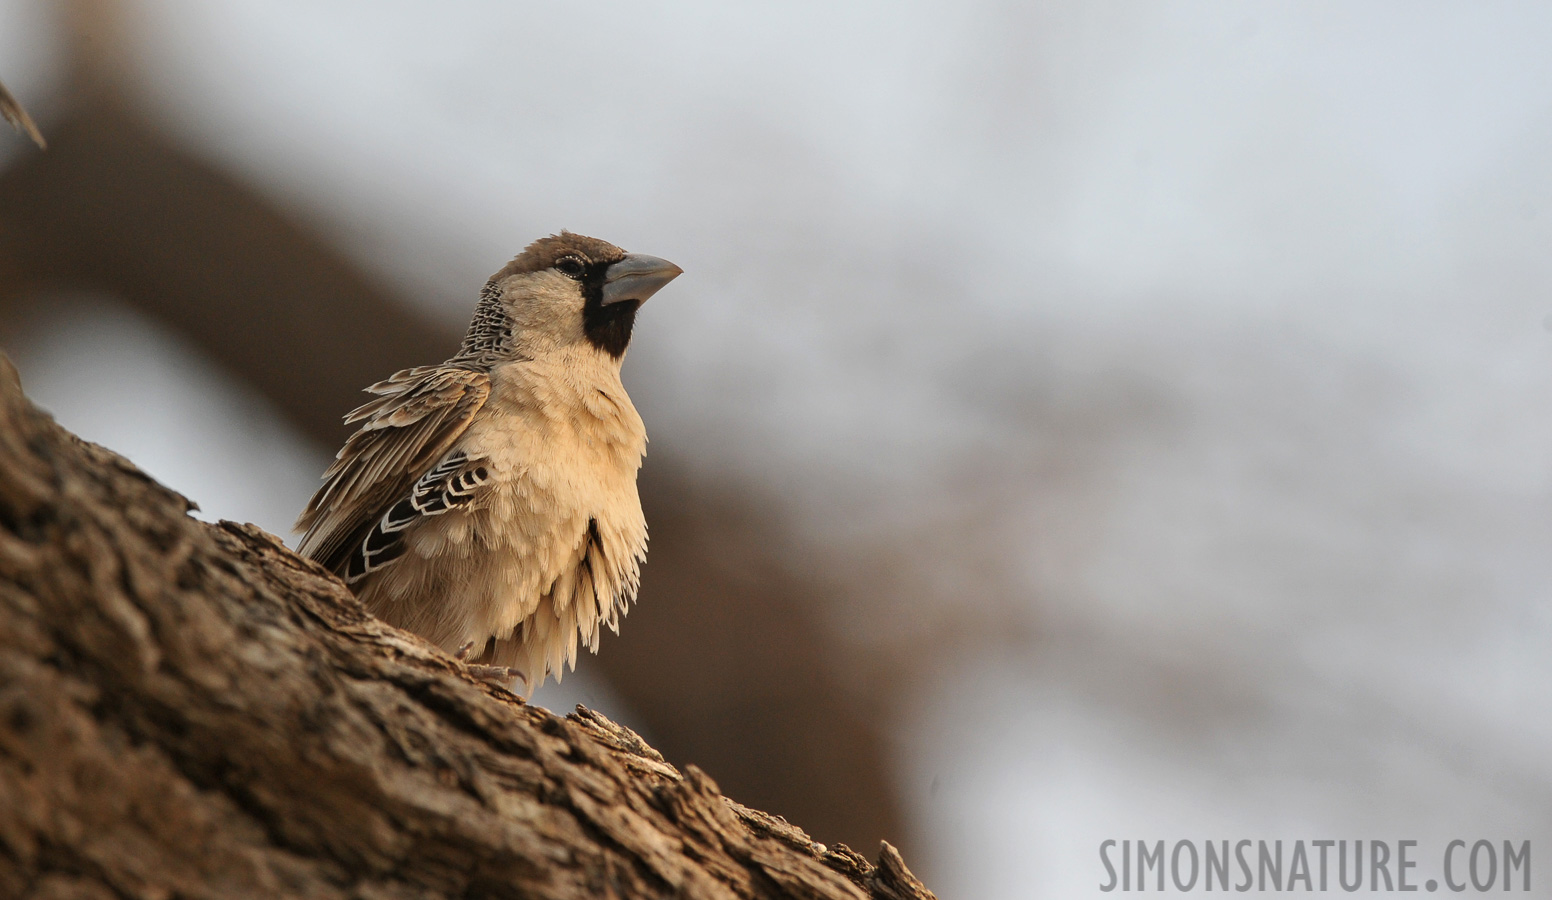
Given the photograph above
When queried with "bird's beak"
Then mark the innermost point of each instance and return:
(637, 277)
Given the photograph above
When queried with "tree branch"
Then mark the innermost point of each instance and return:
(191, 710)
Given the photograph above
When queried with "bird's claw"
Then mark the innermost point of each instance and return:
(502, 675)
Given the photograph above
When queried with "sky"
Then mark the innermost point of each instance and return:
(1192, 359)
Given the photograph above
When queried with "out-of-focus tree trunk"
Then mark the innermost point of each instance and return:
(191, 710)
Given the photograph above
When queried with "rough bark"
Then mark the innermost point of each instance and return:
(190, 710)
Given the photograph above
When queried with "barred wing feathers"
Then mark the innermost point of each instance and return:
(398, 456)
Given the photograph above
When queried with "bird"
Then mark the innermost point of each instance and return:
(489, 504)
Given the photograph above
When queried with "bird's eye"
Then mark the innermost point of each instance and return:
(569, 266)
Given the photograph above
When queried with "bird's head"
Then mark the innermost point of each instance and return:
(566, 290)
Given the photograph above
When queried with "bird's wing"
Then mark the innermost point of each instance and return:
(453, 483)
(405, 436)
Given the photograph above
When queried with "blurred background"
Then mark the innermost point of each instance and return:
(1077, 421)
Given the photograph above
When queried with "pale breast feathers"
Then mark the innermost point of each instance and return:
(396, 469)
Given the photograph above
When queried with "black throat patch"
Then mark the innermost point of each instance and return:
(607, 327)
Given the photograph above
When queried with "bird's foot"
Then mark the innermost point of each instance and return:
(501, 675)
